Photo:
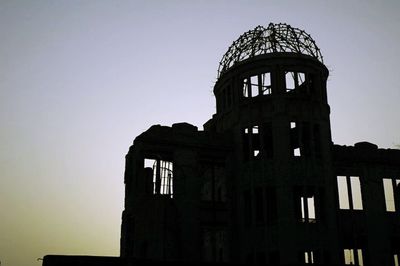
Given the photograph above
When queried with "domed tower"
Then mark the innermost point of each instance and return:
(271, 97)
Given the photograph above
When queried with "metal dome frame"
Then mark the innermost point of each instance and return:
(276, 38)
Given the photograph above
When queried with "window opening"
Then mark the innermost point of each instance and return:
(396, 259)
(353, 257)
(309, 257)
(294, 80)
(162, 176)
(266, 87)
(255, 129)
(343, 193)
(294, 140)
(356, 192)
(349, 190)
(388, 185)
(251, 142)
(246, 144)
(246, 88)
(214, 245)
(259, 84)
(254, 86)
(255, 141)
(307, 209)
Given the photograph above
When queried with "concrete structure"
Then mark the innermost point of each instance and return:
(263, 182)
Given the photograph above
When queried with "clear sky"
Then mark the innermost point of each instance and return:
(80, 79)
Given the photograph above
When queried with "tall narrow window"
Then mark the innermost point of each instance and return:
(246, 88)
(349, 191)
(259, 84)
(254, 86)
(251, 143)
(388, 185)
(356, 192)
(162, 176)
(294, 139)
(353, 257)
(309, 257)
(396, 259)
(307, 209)
(343, 193)
(294, 80)
(266, 87)
(255, 141)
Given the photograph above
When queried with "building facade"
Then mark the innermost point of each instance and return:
(262, 183)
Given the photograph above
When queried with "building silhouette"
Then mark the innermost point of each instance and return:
(263, 183)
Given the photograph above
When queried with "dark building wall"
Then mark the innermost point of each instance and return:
(170, 227)
(263, 183)
(275, 170)
(259, 184)
(373, 229)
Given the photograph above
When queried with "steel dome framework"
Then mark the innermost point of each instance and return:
(276, 38)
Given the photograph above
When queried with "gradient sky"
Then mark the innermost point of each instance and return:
(80, 79)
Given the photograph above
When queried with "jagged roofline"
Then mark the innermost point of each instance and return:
(275, 38)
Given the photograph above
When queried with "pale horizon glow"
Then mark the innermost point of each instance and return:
(79, 80)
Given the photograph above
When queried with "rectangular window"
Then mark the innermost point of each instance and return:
(343, 193)
(396, 259)
(349, 191)
(388, 185)
(356, 192)
(309, 257)
(251, 142)
(246, 88)
(294, 139)
(255, 141)
(294, 80)
(254, 86)
(307, 209)
(266, 83)
(259, 84)
(353, 257)
(162, 176)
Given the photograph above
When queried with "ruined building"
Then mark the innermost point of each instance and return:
(262, 183)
